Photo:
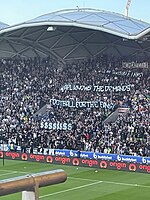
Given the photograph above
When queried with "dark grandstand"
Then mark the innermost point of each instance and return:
(76, 79)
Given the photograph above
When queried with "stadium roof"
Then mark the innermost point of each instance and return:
(98, 20)
(76, 34)
(3, 25)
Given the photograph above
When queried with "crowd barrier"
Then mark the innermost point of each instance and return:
(78, 162)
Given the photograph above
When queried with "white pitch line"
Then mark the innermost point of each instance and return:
(71, 189)
(111, 182)
(84, 179)
(5, 170)
(8, 173)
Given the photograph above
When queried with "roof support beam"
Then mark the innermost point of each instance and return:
(37, 46)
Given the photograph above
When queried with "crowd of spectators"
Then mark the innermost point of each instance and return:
(29, 84)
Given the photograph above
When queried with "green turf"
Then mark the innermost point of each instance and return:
(82, 183)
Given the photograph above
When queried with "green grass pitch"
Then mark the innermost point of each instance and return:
(82, 183)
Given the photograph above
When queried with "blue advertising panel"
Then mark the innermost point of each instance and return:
(103, 156)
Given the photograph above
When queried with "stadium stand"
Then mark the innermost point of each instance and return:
(76, 100)
(76, 79)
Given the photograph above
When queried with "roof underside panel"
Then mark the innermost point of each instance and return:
(63, 51)
(66, 43)
(80, 52)
(96, 49)
(49, 42)
(4, 44)
(81, 35)
(5, 54)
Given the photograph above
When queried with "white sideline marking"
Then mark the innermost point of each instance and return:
(8, 173)
(71, 189)
(84, 179)
(111, 182)
(5, 170)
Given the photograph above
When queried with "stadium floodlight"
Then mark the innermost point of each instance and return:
(51, 28)
(127, 8)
